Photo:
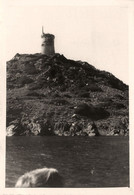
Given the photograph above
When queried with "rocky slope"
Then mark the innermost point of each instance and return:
(58, 96)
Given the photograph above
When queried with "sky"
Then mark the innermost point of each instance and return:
(96, 34)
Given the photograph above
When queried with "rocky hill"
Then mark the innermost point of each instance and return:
(59, 96)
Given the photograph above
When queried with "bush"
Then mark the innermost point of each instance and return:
(56, 94)
(67, 96)
(119, 105)
(34, 86)
(59, 102)
(85, 95)
(24, 80)
(92, 112)
(35, 94)
(105, 104)
(117, 84)
(92, 87)
(120, 97)
(30, 68)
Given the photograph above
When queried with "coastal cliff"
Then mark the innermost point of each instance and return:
(58, 96)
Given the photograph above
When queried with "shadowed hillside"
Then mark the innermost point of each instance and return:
(59, 96)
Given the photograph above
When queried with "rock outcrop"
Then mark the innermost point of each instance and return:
(58, 96)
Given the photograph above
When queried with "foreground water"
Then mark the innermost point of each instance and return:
(82, 161)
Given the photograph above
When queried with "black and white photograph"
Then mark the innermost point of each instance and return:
(67, 91)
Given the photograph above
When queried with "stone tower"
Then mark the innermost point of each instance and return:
(47, 46)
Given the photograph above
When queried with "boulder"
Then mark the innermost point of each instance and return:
(44, 177)
(91, 129)
(11, 130)
(35, 128)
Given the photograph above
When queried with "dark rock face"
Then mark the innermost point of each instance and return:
(57, 96)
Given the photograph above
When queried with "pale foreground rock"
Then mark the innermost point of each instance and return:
(45, 177)
(11, 130)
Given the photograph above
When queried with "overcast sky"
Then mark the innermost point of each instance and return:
(96, 34)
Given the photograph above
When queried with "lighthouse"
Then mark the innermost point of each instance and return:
(47, 46)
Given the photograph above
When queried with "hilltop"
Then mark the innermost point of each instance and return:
(58, 96)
